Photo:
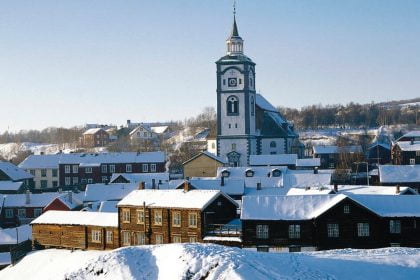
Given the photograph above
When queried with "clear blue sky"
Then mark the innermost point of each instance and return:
(65, 63)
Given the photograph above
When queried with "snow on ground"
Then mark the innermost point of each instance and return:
(206, 261)
(10, 150)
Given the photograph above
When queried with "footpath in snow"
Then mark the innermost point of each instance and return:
(205, 261)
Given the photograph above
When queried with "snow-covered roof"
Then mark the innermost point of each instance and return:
(88, 159)
(259, 171)
(395, 174)
(104, 192)
(414, 133)
(310, 191)
(108, 206)
(13, 172)
(331, 149)
(70, 199)
(293, 207)
(35, 199)
(194, 199)
(142, 177)
(231, 186)
(391, 205)
(371, 190)
(210, 155)
(272, 160)
(159, 129)
(308, 162)
(92, 131)
(10, 186)
(10, 235)
(266, 191)
(144, 126)
(294, 179)
(263, 103)
(408, 146)
(77, 218)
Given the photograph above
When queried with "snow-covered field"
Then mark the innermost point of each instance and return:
(205, 261)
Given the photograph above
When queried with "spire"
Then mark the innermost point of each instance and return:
(234, 42)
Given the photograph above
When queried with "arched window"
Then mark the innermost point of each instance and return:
(273, 144)
(232, 104)
(252, 106)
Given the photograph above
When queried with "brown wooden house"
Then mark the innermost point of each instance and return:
(407, 152)
(76, 230)
(172, 216)
(95, 137)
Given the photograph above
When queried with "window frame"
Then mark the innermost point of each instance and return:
(363, 229)
(262, 231)
(126, 218)
(126, 238)
(109, 237)
(112, 168)
(395, 226)
(96, 236)
(333, 230)
(153, 167)
(176, 218)
(20, 211)
(294, 231)
(9, 213)
(145, 167)
(88, 170)
(75, 169)
(157, 213)
(129, 168)
(104, 168)
(67, 169)
(190, 219)
(140, 218)
(159, 240)
(178, 237)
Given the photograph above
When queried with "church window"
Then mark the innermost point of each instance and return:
(232, 105)
(240, 81)
(252, 106)
(230, 126)
(233, 147)
(224, 82)
(273, 144)
(236, 125)
(250, 82)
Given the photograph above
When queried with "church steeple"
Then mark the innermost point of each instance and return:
(235, 44)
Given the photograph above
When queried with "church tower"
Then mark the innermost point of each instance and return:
(236, 97)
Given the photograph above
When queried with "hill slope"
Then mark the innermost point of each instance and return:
(200, 261)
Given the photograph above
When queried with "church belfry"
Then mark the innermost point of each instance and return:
(236, 134)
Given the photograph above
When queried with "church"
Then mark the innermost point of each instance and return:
(247, 124)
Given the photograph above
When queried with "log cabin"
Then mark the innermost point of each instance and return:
(76, 230)
(172, 216)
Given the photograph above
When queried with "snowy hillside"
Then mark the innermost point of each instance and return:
(200, 261)
(10, 150)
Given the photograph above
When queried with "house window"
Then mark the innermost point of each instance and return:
(145, 134)
(157, 217)
(395, 226)
(192, 239)
(109, 237)
(232, 105)
(176, 238)
(67, 169)
(9, 213)
(128, 168)
(417, 153)
(126, 215)
(76, 169)
(412, 161)
(176, 219)
(140, 216)
(126, 238)
(273, 144)
(362, 229)
(294, 231)
(54, 183)
(159, 239)
(67, 181)
(112, 168)
(332, 230)
(96, 236)
(75, 180)
(90, 181)
(44, 184)
(262, 231)
(21, 213)
(104, 179)
(332, 165)
(192, 219)
(88, 170)
(153, 167)
(32, 171)
(139, 238)
(37, 212)
(104, 168)
(249, 173)
(54, 172)
(346, 209)
(145, 167)
(43, 172)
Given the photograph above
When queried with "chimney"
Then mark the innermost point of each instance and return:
(71, 197)
(259, 186)
(222, 181)
(398, 189)
(27, 197)
(335, 187)
(186, 186)
(60, 190)
(315, 170)
(141, 186)
(153, 184)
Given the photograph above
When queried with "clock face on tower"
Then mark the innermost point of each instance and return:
(232, 82)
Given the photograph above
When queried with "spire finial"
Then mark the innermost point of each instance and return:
(234, 8)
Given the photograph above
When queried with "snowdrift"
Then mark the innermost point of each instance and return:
(206, 261)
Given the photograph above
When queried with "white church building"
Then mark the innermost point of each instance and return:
(247, 124)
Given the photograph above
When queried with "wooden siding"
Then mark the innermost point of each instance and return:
(202, 166)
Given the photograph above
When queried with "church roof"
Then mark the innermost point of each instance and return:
(235, 32)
